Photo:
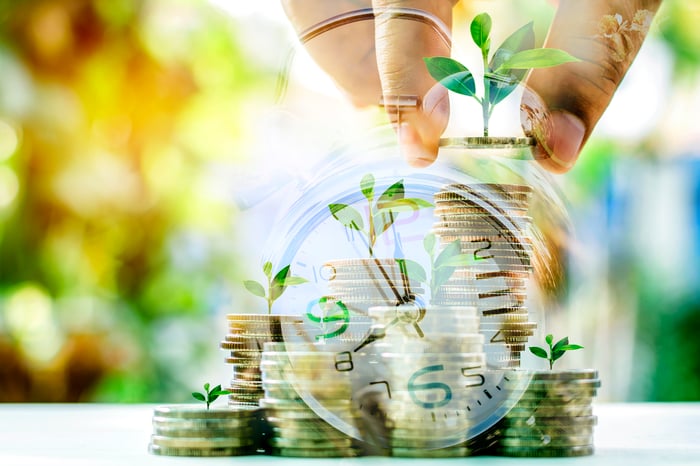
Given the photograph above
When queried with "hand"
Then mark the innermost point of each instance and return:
(386, 58)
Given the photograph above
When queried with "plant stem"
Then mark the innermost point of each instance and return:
(269, 295)
(485, 101)
(372, 233)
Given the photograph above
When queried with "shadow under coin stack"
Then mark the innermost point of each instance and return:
(247, 333)
(296, 430)
(454, 343)
(182, 430)
(553, 418)
(491, 223)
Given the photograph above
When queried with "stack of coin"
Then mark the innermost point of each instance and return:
(296, 430)
(188, 430)
(362, 283)
(491, 224)
(451, 340)
(247, 333)
(554, 416)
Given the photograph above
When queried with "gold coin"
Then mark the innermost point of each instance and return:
(171, 423)
(306, 453)
(551, 411)
(561, 421)
(210, 442)
(197, 412)
(177, 451)
(547, 441)
(246, 431)
(525, 452)
(311, 444)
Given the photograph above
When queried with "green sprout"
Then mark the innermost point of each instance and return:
(276, 285)
(382, 213)
(442, 265)
(209, 396)
(502, 73)
(556, 350)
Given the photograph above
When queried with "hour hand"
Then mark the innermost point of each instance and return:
(376, 333)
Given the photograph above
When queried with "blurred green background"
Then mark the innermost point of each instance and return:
(127, 127)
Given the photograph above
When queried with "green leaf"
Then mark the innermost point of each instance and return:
(220, 392)
(560, 343)
(367, 186)
(383, 220)
(414, 270)
(404, 205)
(267, 269)
(480, 29)
(539, 352)
(199, 396)
(549, 339)
(500, 88)
(522, 39)
(556, 354)
(347, 215)
(212, 397)
(277, 287)
(535, 58)
(254, 287)
(460, 260)
(451, 74)
(392, 193)
(450, 251)
(218, 387)
(440, 276)
(429, 243)
(292, 281)
(570, 347)
(206, 386)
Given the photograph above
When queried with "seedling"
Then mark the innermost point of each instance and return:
(209, 396)
(442, 265)
(276, 285)
(502, 73)
(556, 350)
(381, 214)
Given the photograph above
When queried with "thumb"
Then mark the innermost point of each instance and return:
(406, 31)
(606, 35)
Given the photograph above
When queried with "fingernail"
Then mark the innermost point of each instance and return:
(412, 147)
(565, 139)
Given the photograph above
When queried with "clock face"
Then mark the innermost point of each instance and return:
(423, 335)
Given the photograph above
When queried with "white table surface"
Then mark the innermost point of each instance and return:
(110, 434)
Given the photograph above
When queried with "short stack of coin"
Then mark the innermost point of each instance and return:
(247, 333)
(362, 283)
(554, 416)
(453, 340)
(188, 430)
(490, 221)
(296, 430)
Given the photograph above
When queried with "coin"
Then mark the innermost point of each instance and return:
(306, 453)
(560, 421)
(585, 450)
(551, 411)
(540, 430)
(185, 451)
(311, 444)
(197, 412)
(171, 423)
(453, 452)
(201, 442)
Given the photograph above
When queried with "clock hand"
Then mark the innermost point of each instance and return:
(377, 333)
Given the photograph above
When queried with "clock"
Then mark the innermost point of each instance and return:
(416, 304)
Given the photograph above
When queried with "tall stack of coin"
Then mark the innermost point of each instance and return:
(491, 224)
(247, 333)
(297, 431)
(188, 430)
(453, 341)
(554, 416)
(362, 283)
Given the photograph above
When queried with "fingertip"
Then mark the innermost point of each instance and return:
(559, 152)
(416, 153)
